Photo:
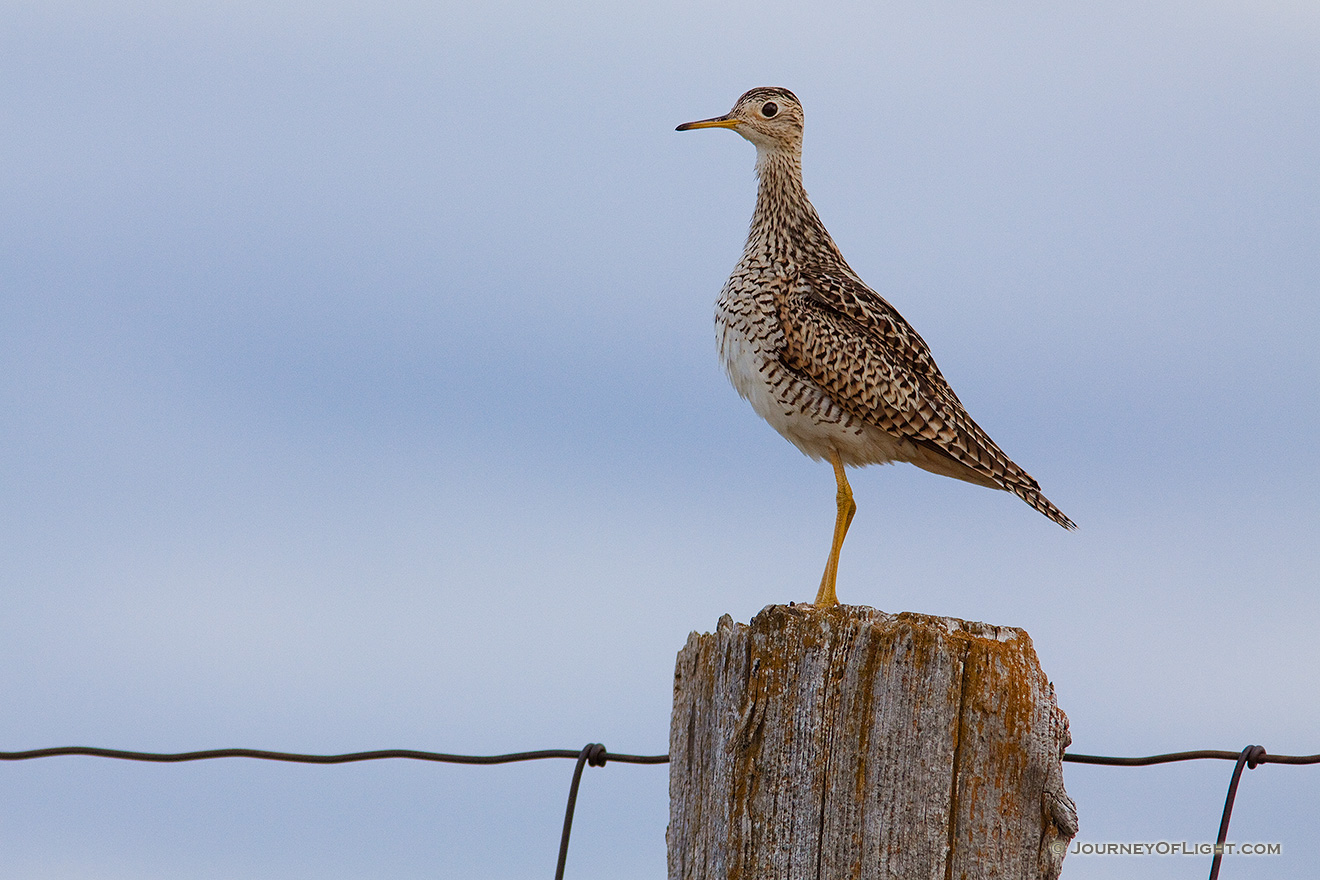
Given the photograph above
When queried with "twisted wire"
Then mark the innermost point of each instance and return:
(596, 755)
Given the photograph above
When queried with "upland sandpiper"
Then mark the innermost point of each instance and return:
(825, 359)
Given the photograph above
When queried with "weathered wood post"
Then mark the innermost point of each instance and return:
(850, 744)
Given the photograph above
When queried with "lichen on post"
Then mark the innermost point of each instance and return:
(845, 742)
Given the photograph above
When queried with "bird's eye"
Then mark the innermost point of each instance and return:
(769, 109)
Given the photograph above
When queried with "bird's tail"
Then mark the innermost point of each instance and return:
(1024, 486)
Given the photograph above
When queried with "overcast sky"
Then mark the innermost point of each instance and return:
(358, 390)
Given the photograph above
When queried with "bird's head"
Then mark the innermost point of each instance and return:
(771, 118)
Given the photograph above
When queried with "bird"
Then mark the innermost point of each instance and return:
(827, 361)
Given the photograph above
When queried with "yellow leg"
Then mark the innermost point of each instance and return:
(847, 507)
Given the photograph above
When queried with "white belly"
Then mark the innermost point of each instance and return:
(794, 406)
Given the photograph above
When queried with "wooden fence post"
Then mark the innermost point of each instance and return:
(850, 744)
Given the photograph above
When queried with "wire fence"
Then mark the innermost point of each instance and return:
(596, 755)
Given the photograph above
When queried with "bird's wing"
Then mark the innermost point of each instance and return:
(857, 347)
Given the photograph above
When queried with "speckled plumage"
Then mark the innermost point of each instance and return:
(824, 359)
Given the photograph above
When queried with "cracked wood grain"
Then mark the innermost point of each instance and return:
(849, 743)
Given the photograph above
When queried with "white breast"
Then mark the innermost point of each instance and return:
(748, 337)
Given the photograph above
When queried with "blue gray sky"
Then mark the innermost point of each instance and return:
(359, 391)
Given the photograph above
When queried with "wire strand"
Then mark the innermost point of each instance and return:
(596, 755)
(295, 757)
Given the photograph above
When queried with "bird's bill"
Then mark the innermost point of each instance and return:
(725, 121)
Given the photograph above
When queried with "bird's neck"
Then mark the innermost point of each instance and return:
(785, 226)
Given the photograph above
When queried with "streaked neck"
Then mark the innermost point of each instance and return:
(784, 222)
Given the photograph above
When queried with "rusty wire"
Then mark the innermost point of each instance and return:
(593, 754)
(596, 755)
(1251, 757)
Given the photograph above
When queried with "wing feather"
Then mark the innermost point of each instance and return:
(853, 344)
